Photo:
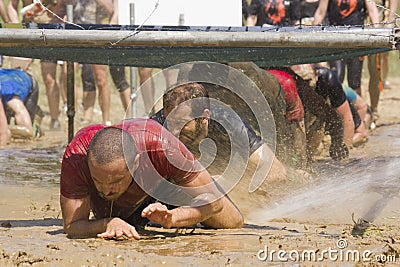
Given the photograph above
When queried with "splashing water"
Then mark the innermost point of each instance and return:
(369, 187)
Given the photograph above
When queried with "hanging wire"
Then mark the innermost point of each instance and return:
(386, 9)
(54, 14)
(137, 29)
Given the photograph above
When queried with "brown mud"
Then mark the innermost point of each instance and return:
(324, 214)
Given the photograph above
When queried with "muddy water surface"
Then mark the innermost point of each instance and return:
(38, 167)
(308, 217)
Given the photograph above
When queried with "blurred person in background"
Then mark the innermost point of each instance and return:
(378, 63)
(352, 12)
(49, 68)
(273, 12)
(19, 93)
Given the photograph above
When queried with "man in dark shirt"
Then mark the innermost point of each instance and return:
(273, 12)
(345, 13)
(187, 114)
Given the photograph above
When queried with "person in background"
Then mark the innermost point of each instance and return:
(245, 11)
(118, 72)
(88, 93)
(3, 12)
(294, 116)
(19, 95)
(389, 16)
(316, 85)
(308, 8)
(377, 67)
(6, 19)
(273, 12)
(86, 12)
(358, 105)
(4, 131)
(49, 68)
(147, 88)
(340, 13)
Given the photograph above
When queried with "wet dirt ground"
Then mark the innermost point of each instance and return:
(317, 224)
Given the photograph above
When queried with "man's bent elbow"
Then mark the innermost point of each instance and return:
(75, 232)
(215, 207)
(236, 221)
(230, 216)
(68, 230)
(221, 212)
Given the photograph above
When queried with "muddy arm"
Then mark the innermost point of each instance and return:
(76, 218)
(77, 224)
(348, 123)
(208, 206)
(320, 13)
(3, 126)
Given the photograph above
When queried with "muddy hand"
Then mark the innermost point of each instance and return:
(118, 228)
(158, 213)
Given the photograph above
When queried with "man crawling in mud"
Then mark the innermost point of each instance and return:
(118, 172)
(187, 115)
(222, 142)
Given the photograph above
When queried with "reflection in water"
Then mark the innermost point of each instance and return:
(30, 167)
(193, 246)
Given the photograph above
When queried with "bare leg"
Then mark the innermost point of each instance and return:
(360, 135)
(118, 76)
(361, 107)
(4, 131)
(100, 74)
(22, 116)
(88, 99)
(125, 98)
(147, 88)
(89, 92)
(374, 92)
(63, 83)
(49, 70)
(385, 65)
(170, 76)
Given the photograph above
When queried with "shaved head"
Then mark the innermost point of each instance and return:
(110, 144)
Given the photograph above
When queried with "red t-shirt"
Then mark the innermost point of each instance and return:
(294, 106)
(162, 156)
